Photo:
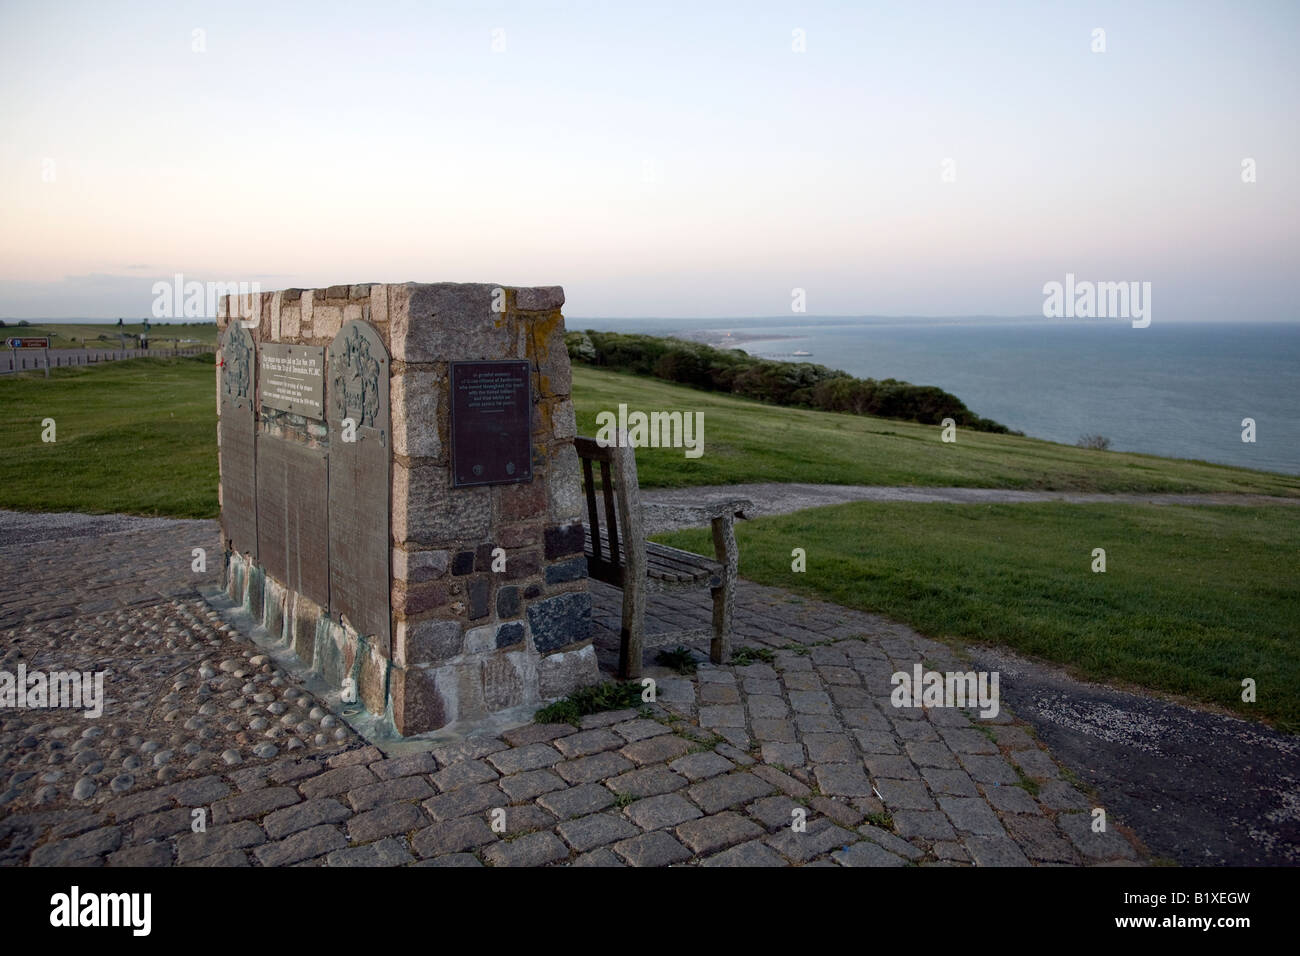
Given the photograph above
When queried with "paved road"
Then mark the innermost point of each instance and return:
(34, 359)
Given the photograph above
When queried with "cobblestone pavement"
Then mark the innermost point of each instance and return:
(715, 772)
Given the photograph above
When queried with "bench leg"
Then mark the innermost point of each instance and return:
(724, 600)
(631, 643)
(724, 597)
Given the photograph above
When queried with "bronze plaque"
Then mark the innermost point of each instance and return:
(292, 378)
(237, 450)
(491, 423)
(292, 524)
(359, 480)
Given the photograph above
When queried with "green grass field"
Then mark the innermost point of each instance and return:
(1193, 599)
(137, 437)
(97, 335)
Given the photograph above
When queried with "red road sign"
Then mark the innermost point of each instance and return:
(33, 343)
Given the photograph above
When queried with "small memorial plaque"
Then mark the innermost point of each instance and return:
(491, 423)
(290, 378)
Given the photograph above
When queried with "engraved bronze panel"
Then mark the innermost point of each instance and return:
(292, 522)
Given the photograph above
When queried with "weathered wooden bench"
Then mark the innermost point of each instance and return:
(619, 554)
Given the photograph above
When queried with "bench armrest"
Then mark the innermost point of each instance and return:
(735, 507)
(722, 516)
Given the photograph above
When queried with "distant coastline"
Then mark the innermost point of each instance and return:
(725, 338)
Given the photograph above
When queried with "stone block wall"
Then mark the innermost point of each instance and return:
(467, 636)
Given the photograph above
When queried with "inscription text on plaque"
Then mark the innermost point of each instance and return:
(491, 423)
(290, 378)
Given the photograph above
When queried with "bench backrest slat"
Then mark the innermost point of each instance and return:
(611, 512)
(593, 516)
(621, 496)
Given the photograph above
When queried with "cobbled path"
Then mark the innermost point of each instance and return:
(796, 759)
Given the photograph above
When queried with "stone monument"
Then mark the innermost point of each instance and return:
(400, 498)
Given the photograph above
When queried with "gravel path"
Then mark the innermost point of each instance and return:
(774, 498)
(1202, 788)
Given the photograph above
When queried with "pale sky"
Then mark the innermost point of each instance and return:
(654, 159)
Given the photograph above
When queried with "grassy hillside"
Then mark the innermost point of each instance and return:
(748, 441)
(1192, 601)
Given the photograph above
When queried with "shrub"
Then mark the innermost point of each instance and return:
(799, 384)
(1099, 442)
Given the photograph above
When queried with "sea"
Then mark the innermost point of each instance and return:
(1179, 390)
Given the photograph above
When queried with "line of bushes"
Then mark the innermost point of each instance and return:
(800, 384)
